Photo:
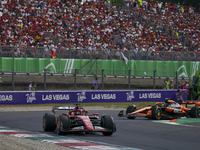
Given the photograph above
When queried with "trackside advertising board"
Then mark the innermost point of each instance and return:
(96, 96)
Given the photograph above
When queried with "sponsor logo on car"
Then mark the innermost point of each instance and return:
(81, 127)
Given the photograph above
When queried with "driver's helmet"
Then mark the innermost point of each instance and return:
(134, 106)
(84, 112)
(77, 113)
(166, 100)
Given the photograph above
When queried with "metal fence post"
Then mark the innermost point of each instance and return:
(172, 57)
(59, 53)
(196, 56)
(13, 85)
(80, 52)
(13, 53)
(45, 79)
(154, 79)
(176, 79)
(75, 79)
(164, 56)
(102, 82)
(70, 53)
(101, 55)
(25, 53)
(156, 56)
(147, 56)
(110, 55)
(129, 79)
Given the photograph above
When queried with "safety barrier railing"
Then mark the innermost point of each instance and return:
(106, 54)
(149, 74)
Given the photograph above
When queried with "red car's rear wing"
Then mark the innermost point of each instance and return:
(62, 108)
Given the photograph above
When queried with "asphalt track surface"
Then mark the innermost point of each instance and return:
(139, 133)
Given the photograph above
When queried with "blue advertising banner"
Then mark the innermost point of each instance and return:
(92, 96)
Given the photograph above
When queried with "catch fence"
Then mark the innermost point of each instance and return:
(106, 54)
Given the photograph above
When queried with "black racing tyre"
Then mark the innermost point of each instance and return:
(108, 123)
(130, 109)
(195, 112)
(49, 122)
(156, 112)
(63, 123)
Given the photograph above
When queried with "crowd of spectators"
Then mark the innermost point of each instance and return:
(97, 27)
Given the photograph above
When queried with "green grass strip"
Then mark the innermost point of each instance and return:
(6, 129)
(188, 120)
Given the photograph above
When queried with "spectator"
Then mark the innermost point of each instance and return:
(179, 85)
(163, 84)
(0, 81)
(167, 85)
(153, 26)
(32, 87)
(95, 84)
(171, 85)
(186, 85)
(183, 86)
(179, 96)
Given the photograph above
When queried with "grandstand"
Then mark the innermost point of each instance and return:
(76, 29)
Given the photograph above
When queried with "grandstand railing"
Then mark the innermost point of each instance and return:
(41, 52)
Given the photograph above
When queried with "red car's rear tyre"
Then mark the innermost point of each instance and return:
(63, 124)
(195, 112)
(49, 122)
(156, 112)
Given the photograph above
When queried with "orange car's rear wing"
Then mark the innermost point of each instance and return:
(197, 103)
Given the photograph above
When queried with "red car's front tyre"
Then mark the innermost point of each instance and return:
(63, 124)
(108, 123)
(49, 122)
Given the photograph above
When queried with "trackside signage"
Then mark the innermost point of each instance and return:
(44, 97)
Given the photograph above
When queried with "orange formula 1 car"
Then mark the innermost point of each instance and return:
(169, 109)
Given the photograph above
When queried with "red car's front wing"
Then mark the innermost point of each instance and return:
(82, 129)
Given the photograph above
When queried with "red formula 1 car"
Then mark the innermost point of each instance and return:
(78, 120)
(169, 109)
